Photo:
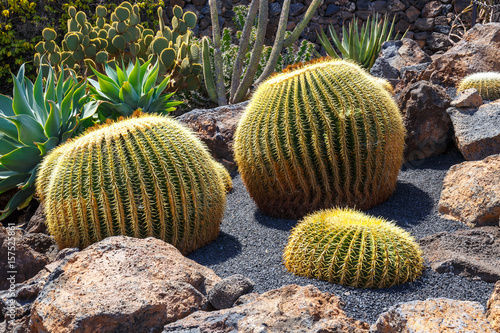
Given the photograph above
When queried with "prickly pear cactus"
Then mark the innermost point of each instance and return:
(124, 39)
(141, 177)
(322, 135)
(486, 83)
(354, 249)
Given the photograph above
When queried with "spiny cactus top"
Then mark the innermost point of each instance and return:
(354, 249)
(141, 177)
(326, 134)
(486, 83)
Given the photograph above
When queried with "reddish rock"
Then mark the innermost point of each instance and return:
(29, 253)
(412, 13)
(471, 192)
(478, 51)
(473, 253)
(433, 315)
(469, 98)
(289, 309)
(477, 131)
(121, 284)
(216, 128)
(37, 222)
(428, 126)
(493, 313)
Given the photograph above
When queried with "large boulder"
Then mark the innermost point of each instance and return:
(428, 126)
(478, 51)
(471, 192)
(474, 253)
(216, 128)
(477, 130)
(394, 56)
(23, 253)
(121, 284)
(493, 313)
(288, 309)
(433, 315)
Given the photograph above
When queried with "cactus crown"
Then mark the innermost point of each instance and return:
(325, 134)
(141, 177)
(351, 248)
(486, 83)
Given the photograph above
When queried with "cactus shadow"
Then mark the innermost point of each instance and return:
(409, 205)
(223, 248)
(274, 222)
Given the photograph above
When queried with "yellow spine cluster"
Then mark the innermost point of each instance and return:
(322, 135)
(141, 177)
(487, 84)
(350, 248)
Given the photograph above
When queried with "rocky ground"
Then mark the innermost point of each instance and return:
(447, 196)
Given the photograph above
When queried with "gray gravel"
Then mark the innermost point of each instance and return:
(252, 244)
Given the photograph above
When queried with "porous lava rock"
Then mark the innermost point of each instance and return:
(290, 308)
(471, 192)
(216, 128)
(121, 284)
(428, 125)
(478, 51)
(474, 253)
(433, 315)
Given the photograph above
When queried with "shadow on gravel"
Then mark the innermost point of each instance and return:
(409, 205)
(273, 222)
(225, 247)
(441, 162)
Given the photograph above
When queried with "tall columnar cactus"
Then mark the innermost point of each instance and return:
(350, 248)
(141, 177)
(486, 83)
(325, 134)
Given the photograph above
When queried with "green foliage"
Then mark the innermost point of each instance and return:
(486, 83)
(123, 91)
(140, 177)
(122, 40)
(40, 116)
(323, 135)
(363, 48)
(354, 249)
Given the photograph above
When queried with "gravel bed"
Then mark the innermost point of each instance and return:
(252, 244)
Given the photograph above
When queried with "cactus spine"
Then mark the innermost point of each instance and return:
(323, 135)
(142, 177)
(487, 84)
(351, 248)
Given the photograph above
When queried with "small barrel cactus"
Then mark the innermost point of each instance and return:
(486, 83)
(141, 177)
(325, 134)
(348, 247)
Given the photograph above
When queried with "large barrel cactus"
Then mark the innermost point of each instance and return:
(354, 249)
(322, 135)
(486, 83)
(141, 177)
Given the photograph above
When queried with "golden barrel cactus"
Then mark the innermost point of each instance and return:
(486, 83)
(322, 135)
(353, 249)
(141, 177)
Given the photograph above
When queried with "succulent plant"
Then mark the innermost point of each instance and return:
(486, 83)
(122, 40)
(363, 48)
(143, 176)
(321, 135)
(385, 84)
(240, 85)
(38, 118)
(348, 247)
(124, 91)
